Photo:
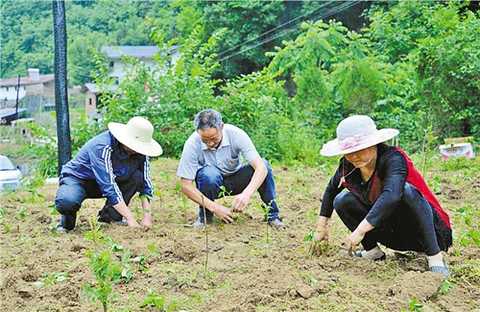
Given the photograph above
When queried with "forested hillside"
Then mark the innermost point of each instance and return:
(27, 34)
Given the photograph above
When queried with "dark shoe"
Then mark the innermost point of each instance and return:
(65, 224)
(108, 214)
(102, 219)
(440, 269)
(359, 254)
(277, 224)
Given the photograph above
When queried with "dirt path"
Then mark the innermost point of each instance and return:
(43, 271)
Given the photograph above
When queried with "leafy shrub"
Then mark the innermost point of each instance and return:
(106, 272)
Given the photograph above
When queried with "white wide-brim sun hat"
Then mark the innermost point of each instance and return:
(356, 133)
(137, 135)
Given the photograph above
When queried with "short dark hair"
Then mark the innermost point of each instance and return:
(208, 118)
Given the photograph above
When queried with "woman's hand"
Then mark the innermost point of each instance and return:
(320, 238)
(353, 240)
(322, 230)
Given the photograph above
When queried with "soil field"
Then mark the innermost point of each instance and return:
(249, 269)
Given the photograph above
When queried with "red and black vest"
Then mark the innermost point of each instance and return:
(413, 177)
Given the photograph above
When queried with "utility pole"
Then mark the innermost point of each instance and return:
(61, 96)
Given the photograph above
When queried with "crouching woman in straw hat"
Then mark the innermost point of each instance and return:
(380, 196)
(113, 165)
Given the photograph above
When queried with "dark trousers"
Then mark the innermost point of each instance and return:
(410, 227)
(209, 181)
(73, 191)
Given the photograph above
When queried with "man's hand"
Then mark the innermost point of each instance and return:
(147, 221)
(222, 213)
(132, 223)
(241, 201)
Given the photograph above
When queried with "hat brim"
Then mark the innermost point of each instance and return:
(333, 148)
(120, 132)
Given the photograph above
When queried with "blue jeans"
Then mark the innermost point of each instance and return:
(410, 227)
(73, 191)
(209, 181)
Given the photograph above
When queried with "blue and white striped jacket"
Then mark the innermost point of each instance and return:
(102, 159)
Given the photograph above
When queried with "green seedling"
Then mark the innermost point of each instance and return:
(266, 214)
(469, 216)
(429, 139)
(125, 256)
(224, 192)
(95, 233)
(152, 249)
(7, 227)
(22, 213)
(206, 236)
(445, 287)
(309, 236)
(141, 261)
(158, 302)
(32, 185)
(183, 199)
(106, 272)
(3, 212)
(127, 273)
(317, 248)
(52, 279)
(53, 210)
(415, 306)
(114, 246)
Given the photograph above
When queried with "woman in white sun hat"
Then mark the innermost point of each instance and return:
(380, 196)
(114, 165)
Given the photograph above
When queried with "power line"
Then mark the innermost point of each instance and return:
(334, 11)
(273, 29)
(330, 13)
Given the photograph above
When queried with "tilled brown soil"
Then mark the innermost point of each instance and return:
(43, 271)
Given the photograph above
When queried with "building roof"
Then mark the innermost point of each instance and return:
(114, 52)
(91, 87)
(10, 111)
(97, 89)
(7, 82)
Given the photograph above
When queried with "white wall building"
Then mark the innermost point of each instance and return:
(32, 85)
(145, 54)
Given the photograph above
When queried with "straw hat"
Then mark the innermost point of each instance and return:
(356, 133)
(136, 135)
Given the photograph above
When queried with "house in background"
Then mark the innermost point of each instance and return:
(118, 69)
(145, 54)
(92, 101)
(34, 85)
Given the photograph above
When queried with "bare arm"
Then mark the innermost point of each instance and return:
(147, 212)
(123, 209)
(260, 172)
(191, 191)
(258, 176)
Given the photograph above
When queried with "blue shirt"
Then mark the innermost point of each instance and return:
(104, 160)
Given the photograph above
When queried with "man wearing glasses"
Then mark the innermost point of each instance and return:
(212, 158)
